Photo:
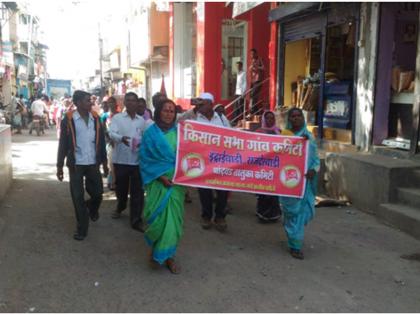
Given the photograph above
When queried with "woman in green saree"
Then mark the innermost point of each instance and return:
(164, 203)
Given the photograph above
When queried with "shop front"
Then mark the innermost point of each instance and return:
(317, 64)
(396, 106)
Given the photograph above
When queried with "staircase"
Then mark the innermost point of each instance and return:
(403, 211)
(252, 119)
(251, 123)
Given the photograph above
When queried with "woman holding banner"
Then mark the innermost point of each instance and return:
(268, 207)
(164, 204)
(298, 212)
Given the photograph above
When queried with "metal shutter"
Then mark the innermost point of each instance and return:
(304, 27)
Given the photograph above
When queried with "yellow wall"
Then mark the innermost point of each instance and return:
(296, 63)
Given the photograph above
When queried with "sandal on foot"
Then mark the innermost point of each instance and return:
(172, 266)
(296, 253)
(220, 224)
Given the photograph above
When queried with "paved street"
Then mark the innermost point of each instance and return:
(352, 262)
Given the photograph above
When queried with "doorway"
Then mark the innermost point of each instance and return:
(234, 49)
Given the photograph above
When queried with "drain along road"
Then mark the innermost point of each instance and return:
(352, 262)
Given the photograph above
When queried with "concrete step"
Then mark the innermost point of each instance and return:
(409, 196)
(401, 216)
(416, 177)
(391, 152)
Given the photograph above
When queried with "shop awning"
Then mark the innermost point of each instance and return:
(287, 10)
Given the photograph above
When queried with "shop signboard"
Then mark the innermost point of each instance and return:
(7, 51)
(57, 88)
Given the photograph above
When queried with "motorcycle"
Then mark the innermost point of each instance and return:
(38, 125)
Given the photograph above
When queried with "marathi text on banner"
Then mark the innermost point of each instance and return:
(223, 158)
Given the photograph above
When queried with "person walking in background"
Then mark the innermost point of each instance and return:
(268, 206)
(23, 103)
(105, 113)
(240, 90)
(298, 212)
(207, 115)
(18, 112)
(96, 107)
(257, 74)
(157, 98)
(82, 145)
(110, 103)
(164, 204)
(126, 131)
(143, 111)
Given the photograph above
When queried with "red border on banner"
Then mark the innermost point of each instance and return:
(254, 134)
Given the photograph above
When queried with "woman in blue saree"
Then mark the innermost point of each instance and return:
(298, 212)
(164, 202)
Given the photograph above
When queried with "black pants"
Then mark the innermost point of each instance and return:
(88, 176)
(255, 95)
(268, 207)
(206, 200)
(128, 177)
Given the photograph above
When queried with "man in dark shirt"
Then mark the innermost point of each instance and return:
(82, 145)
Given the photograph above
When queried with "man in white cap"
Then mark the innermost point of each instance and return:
(206, 114)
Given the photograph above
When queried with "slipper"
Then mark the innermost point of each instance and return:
(296, 253)
(172, 266)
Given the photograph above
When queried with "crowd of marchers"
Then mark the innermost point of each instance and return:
(136, 148)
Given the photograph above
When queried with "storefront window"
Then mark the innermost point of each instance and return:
(233, 50)
(302, 80)
(339, 80)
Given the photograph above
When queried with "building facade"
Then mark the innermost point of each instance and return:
(206, 42)
(23, 55)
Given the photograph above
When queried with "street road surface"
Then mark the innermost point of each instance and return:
(352, 262)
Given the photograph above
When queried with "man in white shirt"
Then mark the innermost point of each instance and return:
(82, 146)
(206, 114)
(239, 92)
(126, 131)
(38, 108)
